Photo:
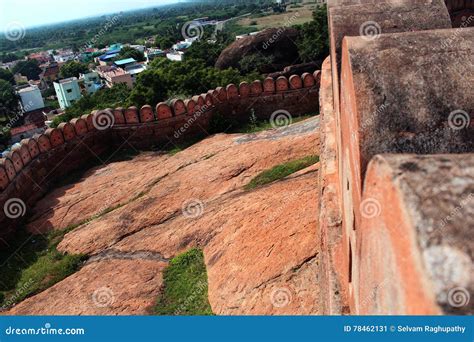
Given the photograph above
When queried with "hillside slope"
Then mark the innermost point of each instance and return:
(260, 246)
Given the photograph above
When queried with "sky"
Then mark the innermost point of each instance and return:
(30, 13)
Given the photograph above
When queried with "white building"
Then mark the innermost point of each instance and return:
(177, 56)
(62, 58)
(30, 98)
(67, 91)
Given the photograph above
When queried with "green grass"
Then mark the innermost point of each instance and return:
(31, 264)
(281, 171)
(185, 286)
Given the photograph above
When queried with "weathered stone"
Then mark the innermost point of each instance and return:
(44, 143)
(24, 153)
(119, 118)
(232, 91)
(7, 164)
(163, 111)
(55, 136)
(178, 107)
(416, 241)
(146, 114)
(67, 130)
(131, 115)
(33, 147)
(269, 85)
(256, 88)
(308, 80)
(89, 120)
(221, 94)
(190, 105)
(276, 42)
(80, 126)
(15, 157)
(244, 89)
(295, 82)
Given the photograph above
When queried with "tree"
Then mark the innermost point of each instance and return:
(73, 69)
(9, 57)
(164, 42)
(254, 63)
(128, 52)
(313, 43)
(28, 68)
(105, 98)
(165, 79)
(7, 76)
(206, 51)
(9, 100)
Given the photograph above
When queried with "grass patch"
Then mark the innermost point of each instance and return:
(31, 264)
(281, 171)
(185, 286)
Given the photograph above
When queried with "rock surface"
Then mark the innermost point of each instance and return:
(260, 246)
(278, 43)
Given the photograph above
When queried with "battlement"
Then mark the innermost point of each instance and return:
(397, 145)
(31, 169)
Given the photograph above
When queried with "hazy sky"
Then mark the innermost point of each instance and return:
(38, 12)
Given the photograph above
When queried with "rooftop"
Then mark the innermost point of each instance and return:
(125, 61)
(27, 89)
(68, 80)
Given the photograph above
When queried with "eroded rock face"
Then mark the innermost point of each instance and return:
(260, 246)
(276, 42)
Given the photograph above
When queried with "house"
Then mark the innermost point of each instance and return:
(123, 63)
(176, 56)
(41, 57)
(140, 48)
(151, 54)
(67, 91)
(50, 72)
(90, 81)
(107, 58)
(25, 131)
(114, 75)
(64, 56)
(131, 67)
(134, 69)
(30, 98)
